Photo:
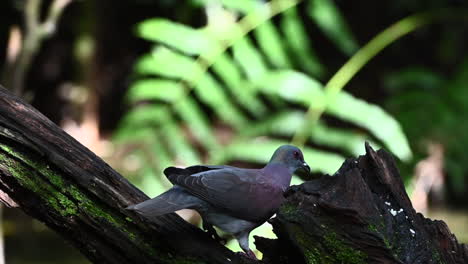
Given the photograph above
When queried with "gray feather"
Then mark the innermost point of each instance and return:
(170, 201)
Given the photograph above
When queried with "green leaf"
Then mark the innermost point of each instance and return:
(211, 93)
(141, 122)
(175, 35)
(161, 157)
(328, 18)
(244, 6)
(415, 77)
(144, 115)
(173, 65)
(181, 149)
(226, 68)
(249, 59)
(270, 42)
(252, 63)
(236, 70)
(285, 124)
(382, 125)
(155, 89)
(189, 110)
(299, 88)
(128, 134)
(292, 86)
(167, 63)
(150, 183)
(295, 37)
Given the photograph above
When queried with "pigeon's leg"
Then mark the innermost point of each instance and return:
(212, 232)
(243, 239)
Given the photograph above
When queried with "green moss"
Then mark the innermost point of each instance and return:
(343, 253)
(68, 200)
(436, 257)
(30, 180)
(331, 250)
(289, 210)
(387, 243)
(373, 228)
(179, 260)
(312, 256)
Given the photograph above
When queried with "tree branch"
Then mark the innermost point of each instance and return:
(35, 32)
(58, 181)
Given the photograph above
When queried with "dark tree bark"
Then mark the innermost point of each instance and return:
(360, 215)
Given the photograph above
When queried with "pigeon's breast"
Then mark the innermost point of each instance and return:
(267, 200)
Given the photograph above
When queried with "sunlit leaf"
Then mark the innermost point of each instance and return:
(300, 45)
(162, 158)
(155, 89)
(299, 88)
(232, 77)
(270, 42)
(150, 183)
(251, 62)
(167, 63)
(173, 34)
(375, 119)
(181, 149)
(144, 115)
(133, 134)
(244, 6)
(287, 123)
(190, 112)
(249, 59)
(293, 86)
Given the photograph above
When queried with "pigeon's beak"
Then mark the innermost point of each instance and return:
(305, 167)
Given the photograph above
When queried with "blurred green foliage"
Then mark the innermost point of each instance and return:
(236, 88)
(438, 104)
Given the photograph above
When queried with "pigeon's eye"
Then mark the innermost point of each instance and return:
(296, 154)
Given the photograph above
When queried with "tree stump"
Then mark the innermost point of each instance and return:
(361, 214)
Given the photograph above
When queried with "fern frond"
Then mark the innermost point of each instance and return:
(237, 90)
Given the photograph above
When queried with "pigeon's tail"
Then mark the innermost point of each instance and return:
(172, 200)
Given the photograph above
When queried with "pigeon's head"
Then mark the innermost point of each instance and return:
(292, 157)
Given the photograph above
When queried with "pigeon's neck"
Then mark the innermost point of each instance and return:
(278, 174)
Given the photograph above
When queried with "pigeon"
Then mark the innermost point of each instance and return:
(236, 200)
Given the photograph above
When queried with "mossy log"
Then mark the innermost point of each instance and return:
(360, 215)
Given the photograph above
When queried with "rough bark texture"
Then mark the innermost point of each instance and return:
(360, 215)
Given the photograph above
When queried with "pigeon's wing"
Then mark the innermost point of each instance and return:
(230, 189)
(172, 200)
(193, 169)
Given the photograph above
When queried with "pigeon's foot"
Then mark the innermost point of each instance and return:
(249, 254)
